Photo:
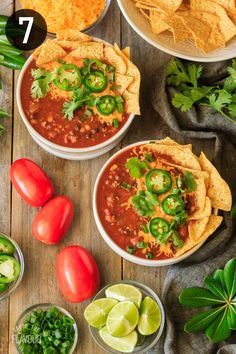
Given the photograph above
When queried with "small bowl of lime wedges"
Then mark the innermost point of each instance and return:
(125, 317)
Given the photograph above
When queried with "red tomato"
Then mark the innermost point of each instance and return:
(31, 182)
(77, 274)
(53, 221)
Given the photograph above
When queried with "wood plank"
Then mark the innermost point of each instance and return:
(147, 127)
(75, 179)
(6, 76)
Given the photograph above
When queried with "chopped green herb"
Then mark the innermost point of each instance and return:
(126, 186)
(46, 331)
(115, 123)
(190, 181)
(149, 255)
(130, 249)
(141, 244)
(41, 83)
(148, 157)
(145, 228)
(136, 167)
(144, 202)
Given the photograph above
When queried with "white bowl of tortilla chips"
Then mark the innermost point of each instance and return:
(100, 132)
(199, 30)
(202, 205)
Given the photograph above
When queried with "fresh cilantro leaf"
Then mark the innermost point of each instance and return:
(190, 181)
(176, 239)
(41, 83)
(144, 202)
(183, 102)
(177, 73)
(232, 109)
(136, 167)
(230, 84)
(219, 99)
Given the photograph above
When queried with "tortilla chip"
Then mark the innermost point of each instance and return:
(218, 191)
(72, 35)
(122, 81)
(158, 25)
(198, 29)
(131, 102)
(177, 156)
(215, 41)
(115, 59)
(131, 70)
(89, 50)
(178, 27)
(227, 27)
(169, 141)
(197, 227)
(205, 212)
(67, 44)
(226, 4)
(126, 52)
(50, 51)
(168, 6)
(212, 225)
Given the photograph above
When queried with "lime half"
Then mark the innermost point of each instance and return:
(124, 292)
(96, 313)
(122, 319)
(125, 344)
(150, 317)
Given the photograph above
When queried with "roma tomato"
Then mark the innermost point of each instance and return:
(31, 182)
(77, 274)
(53, 221)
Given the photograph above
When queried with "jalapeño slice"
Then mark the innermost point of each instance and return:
(9, 269)
(106, 105)
(96, 81)
(6, 247)
(173, 204)
(68, 77)
(158, 181)
(159, 227)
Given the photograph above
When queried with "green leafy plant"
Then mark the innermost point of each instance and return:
(220, 320)
(144, 202)
(41, 83)
(189, 181)
(185, 77)
(3, 114)
(136, 167)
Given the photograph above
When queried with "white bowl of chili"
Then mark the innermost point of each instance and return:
(119, 222)
(73, 138)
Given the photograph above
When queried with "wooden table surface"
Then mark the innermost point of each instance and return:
(75, 179)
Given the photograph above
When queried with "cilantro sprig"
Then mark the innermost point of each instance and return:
(136, 167)
(144, 202)
(186, 78)
(220, 320)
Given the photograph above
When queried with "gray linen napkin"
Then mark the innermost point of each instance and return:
(217, 138)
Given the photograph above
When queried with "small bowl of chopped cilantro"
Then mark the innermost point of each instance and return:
(45, 328)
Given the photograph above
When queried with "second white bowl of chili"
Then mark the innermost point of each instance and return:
(75, 138)
(119, 218)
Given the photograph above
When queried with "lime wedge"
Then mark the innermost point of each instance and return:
(96, 313)
(124, 292)
(150, 317)
(122, 319)
(124, 345)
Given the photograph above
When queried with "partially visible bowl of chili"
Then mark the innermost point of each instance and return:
(49, 102)
(143, 208)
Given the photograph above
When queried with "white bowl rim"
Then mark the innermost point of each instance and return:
(122, 253)
(48, 142)
(169, 51)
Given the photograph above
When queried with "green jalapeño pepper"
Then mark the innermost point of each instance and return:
(158, 181)
(68, 77)
(173, 204)
(9, 269)
(3, 287)
(95, 81)
(159, 227)
(106, 105)
(6, 246)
